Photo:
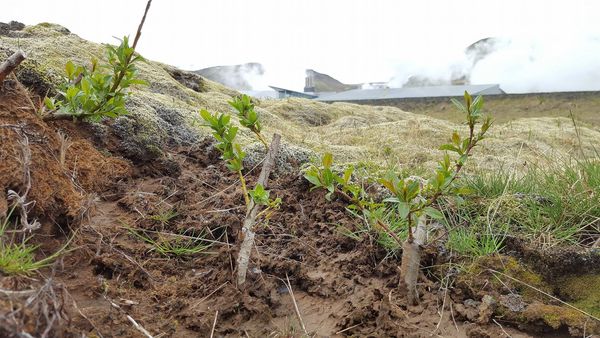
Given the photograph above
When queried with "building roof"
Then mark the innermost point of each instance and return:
(261, 94)
(410, 92)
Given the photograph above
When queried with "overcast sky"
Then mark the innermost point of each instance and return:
(549, 45)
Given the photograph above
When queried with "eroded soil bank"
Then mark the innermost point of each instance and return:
(112, 282)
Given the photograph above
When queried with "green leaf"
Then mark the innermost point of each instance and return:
(403, 209)
(252, 117)
(70, 69)
(459, 105)
(49, 103)
(327, 160)
(477, 103)
(449, 147)
(389, 185)
(434, 213)
(328, 177)
(446, 161)
(313, 179)
(224, 119)
(86, 86)
(239, 154)
(138, 82)
(468, 100)
(232, 133)
(465, 144)
(347, 174)
(391, 200)
(412, 190)
(463, 191)
(486, 125)
(259, 195)
(206, 116)
(455, 138)
(72, 93)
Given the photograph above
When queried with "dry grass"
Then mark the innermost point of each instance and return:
(386, 136)
(585, 106)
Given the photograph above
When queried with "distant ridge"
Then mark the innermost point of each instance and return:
(234, 76)
(318, 82)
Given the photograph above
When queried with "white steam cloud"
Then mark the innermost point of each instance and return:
(519, 65)
(523, 65)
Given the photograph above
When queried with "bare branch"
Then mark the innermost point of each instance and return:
(10, 64)
(135, 41)
(288, 285)
(253, 209)
(212, 332)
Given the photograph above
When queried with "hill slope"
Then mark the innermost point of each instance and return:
(167, 109)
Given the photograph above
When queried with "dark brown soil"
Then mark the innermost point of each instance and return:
(112, 279)
(338, 283)
(60, 191)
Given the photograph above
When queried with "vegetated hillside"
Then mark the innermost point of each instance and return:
(168, 107)
(585, 107)
(153, 218)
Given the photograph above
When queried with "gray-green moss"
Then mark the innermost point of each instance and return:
(289, 158)
(161, 114)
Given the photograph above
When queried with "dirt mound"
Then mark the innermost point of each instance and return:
(56, 171)
(341, 286)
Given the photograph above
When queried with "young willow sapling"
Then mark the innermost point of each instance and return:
(413, 199)
(225, 133)
(259, 205)
(100, 90)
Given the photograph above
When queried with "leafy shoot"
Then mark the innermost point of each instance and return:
(248, 116)
(98, 91)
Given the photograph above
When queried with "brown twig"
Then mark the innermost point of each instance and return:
(504, 331)
(348, 328)
(10, 294)
(453, 320)
(135, 41)
(210, 294)
(83, 314)
(212, 332)
(133, 322)
(389, 231)
(253, 209)
(10, 64)
(288, 285)
(19, 200)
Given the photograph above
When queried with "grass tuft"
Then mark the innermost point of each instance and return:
(172, 245)
(557, 204)
(18, 257)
